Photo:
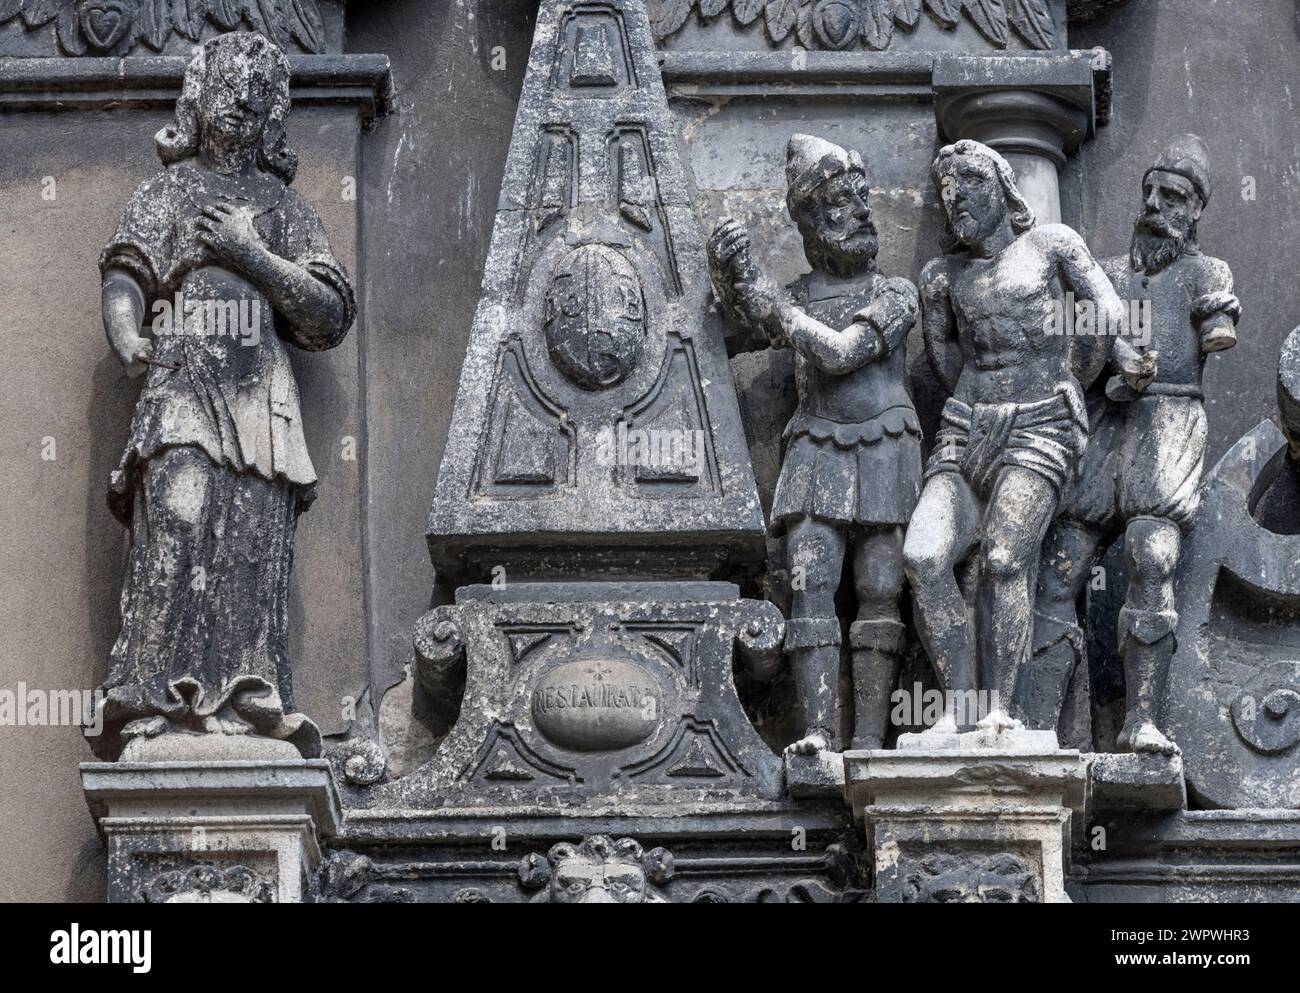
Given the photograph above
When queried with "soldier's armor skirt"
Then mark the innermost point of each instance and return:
(1144, 459)
(850, 474)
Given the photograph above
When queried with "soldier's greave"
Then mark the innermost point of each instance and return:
(812, 644)
(877, 648)
(1146, 643)
(1045, 680)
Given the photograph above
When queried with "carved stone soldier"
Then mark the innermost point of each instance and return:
(1141, 474)
(227, 263)
(852, 467)
(1014, 428)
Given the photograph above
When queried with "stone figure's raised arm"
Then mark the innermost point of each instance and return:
(875, 333)
(939, 325)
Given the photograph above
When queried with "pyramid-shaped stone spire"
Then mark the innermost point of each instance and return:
(596, 430)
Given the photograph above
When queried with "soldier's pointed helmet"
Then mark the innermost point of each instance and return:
(810, 161)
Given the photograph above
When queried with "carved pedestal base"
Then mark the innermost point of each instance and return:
(212, 831)
(988, 821)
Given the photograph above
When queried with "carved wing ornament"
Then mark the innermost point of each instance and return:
(841, 24)
(114, 27)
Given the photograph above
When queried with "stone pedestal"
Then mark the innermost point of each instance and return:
(975, 818)
(230, 831)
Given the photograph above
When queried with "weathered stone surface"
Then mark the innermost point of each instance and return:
(590, 693)
(219, 259)
(1233, 696)
(1136, 781)
(986, 823)
(211, 830)
(596, 428)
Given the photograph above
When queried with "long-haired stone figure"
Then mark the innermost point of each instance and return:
(224, 263)
(1012, 432)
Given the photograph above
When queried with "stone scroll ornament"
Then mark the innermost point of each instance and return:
(842, 24)
(851, 472)
(1140, 476)
(1233, 692)
(1013, 430)
(215, 265)
(116, 27)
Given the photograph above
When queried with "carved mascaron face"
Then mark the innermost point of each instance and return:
(581, 880)
(972, 196)
(595, 317)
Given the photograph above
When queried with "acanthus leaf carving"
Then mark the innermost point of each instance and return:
(781, 16)
(667, 16)
(1033, 21)
(114, 27)
(990, 16)
(878, 23)
(835, 24)
(907, 12)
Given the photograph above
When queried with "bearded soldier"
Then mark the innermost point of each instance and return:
(1142, 470)
(852, 467)
(1014, 428)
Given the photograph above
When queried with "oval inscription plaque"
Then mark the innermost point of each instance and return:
(596, 705)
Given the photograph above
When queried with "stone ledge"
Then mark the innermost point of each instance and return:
(1136, 782)
(135, 82)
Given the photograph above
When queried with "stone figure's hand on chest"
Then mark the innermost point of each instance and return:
(230, 234)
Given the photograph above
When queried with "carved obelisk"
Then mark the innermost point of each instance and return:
(596, 483)
(596, 428)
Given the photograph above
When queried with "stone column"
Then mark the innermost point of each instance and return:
(972, 818)
(213, 830)
(1034, 111)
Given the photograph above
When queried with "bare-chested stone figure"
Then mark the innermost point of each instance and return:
(1014, 427)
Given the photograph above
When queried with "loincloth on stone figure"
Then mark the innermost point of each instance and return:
(1045, 436)
(850, 474)
(1144, 459)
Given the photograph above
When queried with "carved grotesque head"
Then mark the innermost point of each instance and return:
(595, 316)
(1175, 191)
(943, 878)
(978, 189)
(235, 95)
(828, 198)
(598, 870)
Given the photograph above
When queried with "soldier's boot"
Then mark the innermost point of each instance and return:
(812, 644)
(1058, 650)
(1146, 643)
(877, 648)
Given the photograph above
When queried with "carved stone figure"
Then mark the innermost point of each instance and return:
(1233, 699)
(1141, 473)
(852, 466)
(1014, 428)
(226, 263)
(598, 870)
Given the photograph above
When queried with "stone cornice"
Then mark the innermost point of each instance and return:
(134, 82)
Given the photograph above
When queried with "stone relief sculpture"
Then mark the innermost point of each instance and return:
(1014, 428)
(598, 870)
(227, 263)
(1141, 473)
(840, 24)
(115, 27)
(852, 465)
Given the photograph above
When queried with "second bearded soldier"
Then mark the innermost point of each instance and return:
(851, 473)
